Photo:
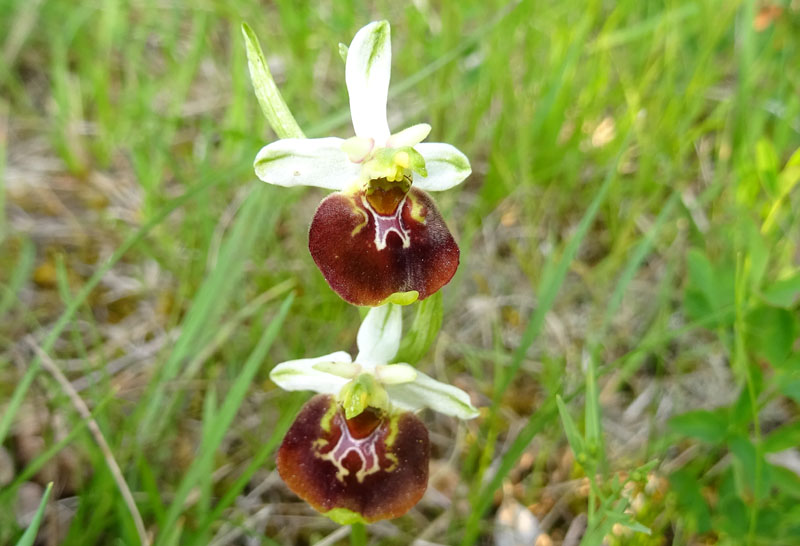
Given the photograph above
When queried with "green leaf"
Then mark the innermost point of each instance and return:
(708, 426)
(771, 333)
(740, 413)
(627, 521)
(784, 292)
(424, 329)
(29, 536)
(690, 499)
(790, 386)
(785, 480)
(733, 516)
(269, 97)
(749, 460)
(709, 290)
(784, 437)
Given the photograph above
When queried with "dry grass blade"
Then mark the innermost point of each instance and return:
(83, 410)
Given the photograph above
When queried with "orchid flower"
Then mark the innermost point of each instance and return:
(379, 237)
(357, 452)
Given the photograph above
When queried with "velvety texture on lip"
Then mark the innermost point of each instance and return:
(366, 255)
(376, 466)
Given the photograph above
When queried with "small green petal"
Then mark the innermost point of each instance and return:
(402, 298)
(343, 516)
(361, 393)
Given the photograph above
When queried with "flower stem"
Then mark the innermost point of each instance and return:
(358, 534)
(272, 104)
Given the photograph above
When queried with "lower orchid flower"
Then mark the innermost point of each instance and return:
(379, 238)
(357, 452)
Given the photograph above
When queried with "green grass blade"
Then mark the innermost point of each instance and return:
(63, 321)
(36, 464)
(535, 424)
(279, 430)
(224, 417)
(574, 436)
(258, 213)
(554, 276)
(22, 272)
(29, 536)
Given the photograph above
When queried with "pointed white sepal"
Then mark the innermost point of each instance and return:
(307, 374)
(447, 166)
(317, 162)
(426, 392)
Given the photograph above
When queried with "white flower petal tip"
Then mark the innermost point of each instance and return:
(316, 162)
(409, 137)
(307, 374)
(367, 74)
(447, 166)
(379, 335)
(426, 392)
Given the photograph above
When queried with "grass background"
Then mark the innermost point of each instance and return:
(625, 311)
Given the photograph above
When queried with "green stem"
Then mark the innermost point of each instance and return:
(358, 534)
(742, 363)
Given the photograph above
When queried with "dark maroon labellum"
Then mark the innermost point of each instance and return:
(370, 246)
(373, 465)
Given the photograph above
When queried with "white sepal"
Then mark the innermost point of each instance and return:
(367, 72)
(447, 166)
(317, 162)
(426, 392)
(379, 335)
(307, 374)
(410, 136)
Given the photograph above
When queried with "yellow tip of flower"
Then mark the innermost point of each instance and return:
(402, 160)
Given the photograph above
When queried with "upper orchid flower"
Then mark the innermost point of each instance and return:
(357, 452)
(379, 237)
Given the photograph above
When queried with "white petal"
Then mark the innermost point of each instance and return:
(306, 162)
(426, 392)
(395, 374)
(447, 166)
(300, 375)
(410, 136)
(358, 148)
(379, 335)
(367, 71)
